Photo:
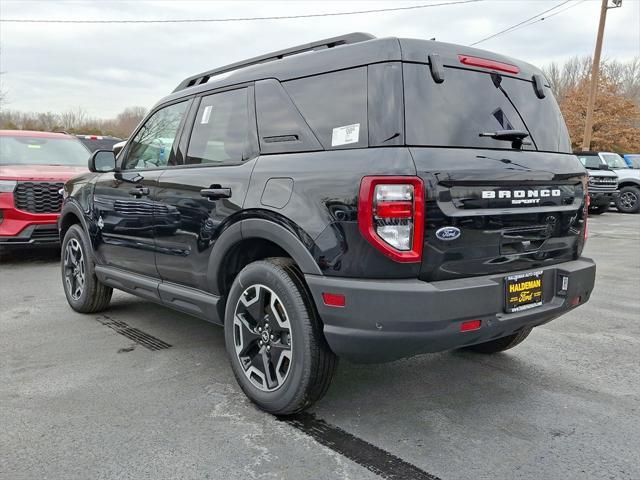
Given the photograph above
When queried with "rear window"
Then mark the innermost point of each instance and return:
(467, 103)
(22, 150)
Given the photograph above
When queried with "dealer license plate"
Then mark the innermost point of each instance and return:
(523, 291)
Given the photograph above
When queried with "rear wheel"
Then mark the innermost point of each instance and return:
(82, 288)
(629, 200)
(274, 338)
(500, 344)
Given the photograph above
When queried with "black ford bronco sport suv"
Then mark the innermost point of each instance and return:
(355, 197)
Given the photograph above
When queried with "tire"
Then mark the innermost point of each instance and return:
(82, 288)
(599, 210)
(500, 344)
(628, 200)
(269, 302)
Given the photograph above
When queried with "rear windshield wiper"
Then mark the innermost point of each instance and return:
(516, 137)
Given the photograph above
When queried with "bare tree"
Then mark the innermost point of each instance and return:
(73, 121)
(128, 120)
(572, 73)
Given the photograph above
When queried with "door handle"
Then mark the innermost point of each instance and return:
(139, 192)
(216, 193)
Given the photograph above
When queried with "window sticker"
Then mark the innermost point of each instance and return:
(206, 113)
(345, 135)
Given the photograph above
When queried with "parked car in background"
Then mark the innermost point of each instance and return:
(33, 169)
(603, 182)
(632, 159)
(628, 198)
(98, 142)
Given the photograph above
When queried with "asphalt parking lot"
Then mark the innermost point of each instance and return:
(80, 400)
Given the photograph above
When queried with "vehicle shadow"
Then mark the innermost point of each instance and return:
(436, 390)
(457, 380)
(29, 254)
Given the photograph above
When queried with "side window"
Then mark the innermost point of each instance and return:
(153, 144)
(221, 130)
(335, 106)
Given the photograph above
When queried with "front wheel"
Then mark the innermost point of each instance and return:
(274, 338)
(629, 200)
(84, 292)
(500, 344)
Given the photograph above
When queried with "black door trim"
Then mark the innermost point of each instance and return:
(184, 299)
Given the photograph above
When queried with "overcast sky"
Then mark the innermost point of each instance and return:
(105, 68)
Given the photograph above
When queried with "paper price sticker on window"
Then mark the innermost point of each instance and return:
(345, 135)
(206, 113)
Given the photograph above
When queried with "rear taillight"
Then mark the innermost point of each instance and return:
(585, 215)
(391, 216)
(587, 201)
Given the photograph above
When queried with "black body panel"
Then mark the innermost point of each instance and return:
(185, 236)
(497, 235)
(124, 211)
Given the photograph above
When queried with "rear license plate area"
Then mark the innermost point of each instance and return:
(523, 291)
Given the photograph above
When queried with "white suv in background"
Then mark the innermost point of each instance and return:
(628, 200)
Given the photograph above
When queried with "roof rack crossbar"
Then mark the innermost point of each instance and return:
(349, 38)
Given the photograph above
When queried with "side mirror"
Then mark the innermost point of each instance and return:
(102, 161)
(604, 166)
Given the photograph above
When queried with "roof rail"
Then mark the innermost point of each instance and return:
(349, 38)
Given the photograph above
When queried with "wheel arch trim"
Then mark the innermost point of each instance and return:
(71, 208)
(258, 228)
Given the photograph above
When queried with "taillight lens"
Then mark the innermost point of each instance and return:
(391, 216)
(585, 215)
(587, 201)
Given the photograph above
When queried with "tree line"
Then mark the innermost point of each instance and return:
(616, 115)
(73, 121)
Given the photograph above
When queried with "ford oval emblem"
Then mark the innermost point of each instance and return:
(448, 233)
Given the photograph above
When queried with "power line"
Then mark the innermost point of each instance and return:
(522, 23)
(549, 16)
(245, 19)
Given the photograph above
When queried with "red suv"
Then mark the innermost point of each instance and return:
(33, 169)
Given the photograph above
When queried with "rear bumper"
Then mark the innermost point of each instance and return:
(387, 320)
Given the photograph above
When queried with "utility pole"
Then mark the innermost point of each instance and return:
(595, 73)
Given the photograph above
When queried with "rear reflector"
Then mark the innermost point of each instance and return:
(470, 325)
(490, 64)
(334, 299)
(394, 209)
(575, 301)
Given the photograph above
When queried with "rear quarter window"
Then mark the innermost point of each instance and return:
(335, 106)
